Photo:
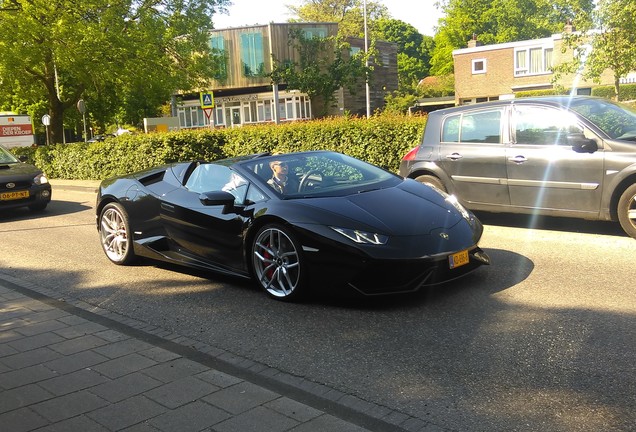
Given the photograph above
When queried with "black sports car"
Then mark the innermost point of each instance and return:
(291, 222)
(22, 184)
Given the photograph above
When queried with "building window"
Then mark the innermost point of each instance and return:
(479, 66)
(533, 61)
(252, 54)
(219, 54)
(315, 32)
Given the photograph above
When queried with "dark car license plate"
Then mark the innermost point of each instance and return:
(6, 196)
(458, 259)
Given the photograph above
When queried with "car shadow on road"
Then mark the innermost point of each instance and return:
(551, 223)
(55, 208)
(512, 268)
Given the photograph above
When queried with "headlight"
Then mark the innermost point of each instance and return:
(40, 179)
(452, 200)
(362, 237)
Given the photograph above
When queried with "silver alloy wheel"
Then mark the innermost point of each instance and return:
(114, 235)
(626, 210)
(276, 262)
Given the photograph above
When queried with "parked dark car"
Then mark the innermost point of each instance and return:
(22, 184)
(338, 222)
(572, 156)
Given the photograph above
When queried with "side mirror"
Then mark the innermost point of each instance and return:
(581, 144)
(23, 158)
(215, 198)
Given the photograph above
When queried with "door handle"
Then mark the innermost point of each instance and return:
(518, 159)
(454, 156)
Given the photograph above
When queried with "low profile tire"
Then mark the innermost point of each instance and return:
(432, 181)
(627, 211)
(114, 234)
(277, 263)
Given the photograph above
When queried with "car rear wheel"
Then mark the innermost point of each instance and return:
(627, 211)
(432, 181)
(277, 263)
(114, 233)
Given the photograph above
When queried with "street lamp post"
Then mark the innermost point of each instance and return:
(366, 56)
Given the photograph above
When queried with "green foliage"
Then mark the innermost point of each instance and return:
(124, 59)
(349, 14)
(322, 68)
(381, 140)
(500, 21)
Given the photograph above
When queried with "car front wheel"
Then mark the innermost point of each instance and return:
(627, 211)
(277, 263)
(114, 233)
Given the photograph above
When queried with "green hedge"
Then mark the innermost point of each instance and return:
(381, 140)
(628, 92)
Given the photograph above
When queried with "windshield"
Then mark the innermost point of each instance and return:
(319, 174)
(616, 120)
(6, 157)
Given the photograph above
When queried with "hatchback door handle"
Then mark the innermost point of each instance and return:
(454, 156)
(518, 159)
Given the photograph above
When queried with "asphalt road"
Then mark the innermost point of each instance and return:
(544, 339)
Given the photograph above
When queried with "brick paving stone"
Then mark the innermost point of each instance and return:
(37, 341)
(293, 409)
(240, 397)
(122, 348)
(127, 386)
(181, 391)
(194, 417)
(329, 423)
(74, 381)
(124, 365)
(76, 345)
(68, 406)
(29, 375)
(41, 327)
(159, 355)
(175, 369)
(30, 358)
(21, 420)
(20, 397)
(75, 424)
(77, 361)
(8, 335)
(219, 379)
(82, 329)
(258, 419)
(127, 413)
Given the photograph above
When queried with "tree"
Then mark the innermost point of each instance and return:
(125, 57)
(414, 51)
(349, 14)
(499, 21)
(322, 69)
(606, 43)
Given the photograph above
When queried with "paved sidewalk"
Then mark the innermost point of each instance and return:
(73, 367)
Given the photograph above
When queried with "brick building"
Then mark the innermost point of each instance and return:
(499, 71)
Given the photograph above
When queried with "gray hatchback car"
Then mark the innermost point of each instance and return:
(572, 156)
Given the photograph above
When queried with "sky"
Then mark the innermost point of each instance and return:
(421, 14)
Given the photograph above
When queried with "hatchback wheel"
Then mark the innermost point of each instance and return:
(114, 233)
(431, 181)
(277, 262)
(627, 211)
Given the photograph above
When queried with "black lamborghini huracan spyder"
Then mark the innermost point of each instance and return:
(329, 221)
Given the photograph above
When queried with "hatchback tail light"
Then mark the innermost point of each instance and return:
(411, 154)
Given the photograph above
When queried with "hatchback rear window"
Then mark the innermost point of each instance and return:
(473, 127)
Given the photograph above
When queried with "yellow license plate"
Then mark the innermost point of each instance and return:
(6, 196)
(458, 259)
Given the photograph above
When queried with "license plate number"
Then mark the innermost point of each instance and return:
(6, 196)
(458, 259)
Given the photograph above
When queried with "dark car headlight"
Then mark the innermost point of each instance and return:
(40, 179)
(362, 237)
(452, 200)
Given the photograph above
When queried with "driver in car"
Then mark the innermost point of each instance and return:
(281, 181)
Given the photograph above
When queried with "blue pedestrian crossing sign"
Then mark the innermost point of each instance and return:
(207, 100)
